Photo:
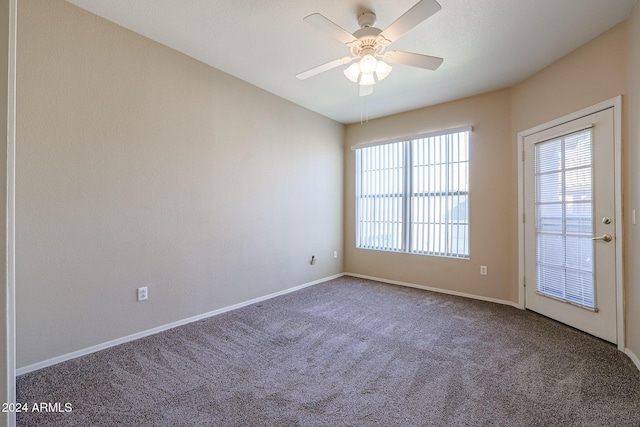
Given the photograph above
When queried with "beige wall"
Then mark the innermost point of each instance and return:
(592, 73)
(632, 189)
(493, 207)
(138, 166)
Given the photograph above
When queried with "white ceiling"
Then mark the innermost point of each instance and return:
(486, 44)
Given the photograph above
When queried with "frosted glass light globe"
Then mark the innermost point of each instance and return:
(368, 64)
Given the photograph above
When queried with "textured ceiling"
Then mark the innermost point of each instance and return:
(486, 44)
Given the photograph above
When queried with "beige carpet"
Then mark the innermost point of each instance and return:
(348, 352)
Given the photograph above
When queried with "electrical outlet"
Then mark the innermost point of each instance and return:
(143, 294)
(483, 270)
(335, 254)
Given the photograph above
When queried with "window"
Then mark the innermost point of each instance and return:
(412, 196)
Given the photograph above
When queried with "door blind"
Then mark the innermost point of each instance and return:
(564, 218)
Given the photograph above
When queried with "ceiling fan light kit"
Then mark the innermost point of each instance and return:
(367, 46)
(352, 72)
(362, 71)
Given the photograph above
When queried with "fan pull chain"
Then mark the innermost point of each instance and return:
(364, 105)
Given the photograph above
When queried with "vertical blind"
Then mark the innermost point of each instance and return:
(412, 196)
(564, 218)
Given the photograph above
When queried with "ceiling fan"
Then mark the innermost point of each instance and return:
(367, 46)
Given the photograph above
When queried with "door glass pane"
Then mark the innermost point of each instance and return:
(564, 218)
(549, 218)
(549, 188)
(579, 218)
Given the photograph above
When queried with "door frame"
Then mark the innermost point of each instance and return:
(8, 322)
(616, 104)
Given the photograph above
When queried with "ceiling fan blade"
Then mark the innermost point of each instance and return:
(413, 59)
(330, 27)
(412, 17)
(324, 67)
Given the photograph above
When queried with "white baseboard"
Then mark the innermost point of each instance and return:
(633, 357)
(429, 288)
(132, 337)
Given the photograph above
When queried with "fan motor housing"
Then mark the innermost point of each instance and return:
(367, 40)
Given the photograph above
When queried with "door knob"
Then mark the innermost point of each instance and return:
(606, 238)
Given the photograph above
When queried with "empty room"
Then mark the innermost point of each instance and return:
(320, 213)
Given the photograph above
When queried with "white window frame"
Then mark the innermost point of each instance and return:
(406, 212)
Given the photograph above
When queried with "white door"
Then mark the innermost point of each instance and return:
(570, 250)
